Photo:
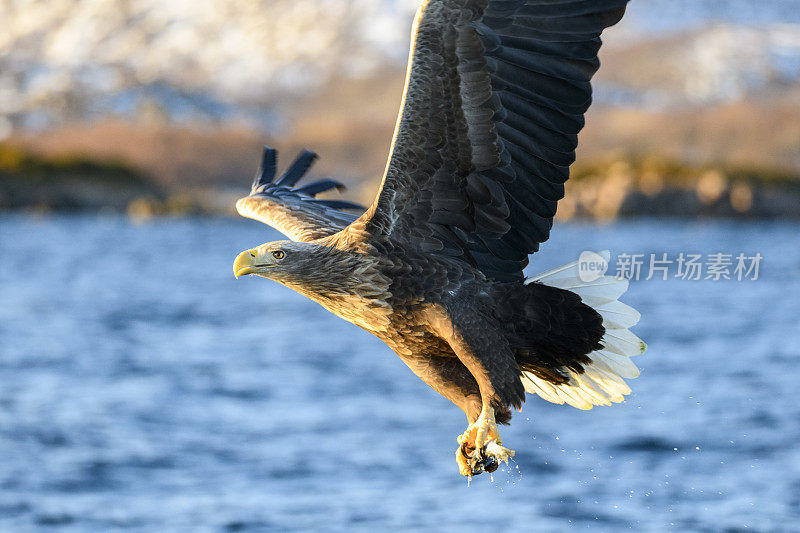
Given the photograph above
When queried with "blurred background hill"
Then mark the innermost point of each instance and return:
(183, 94)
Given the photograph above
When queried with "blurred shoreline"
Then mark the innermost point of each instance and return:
(602, 189)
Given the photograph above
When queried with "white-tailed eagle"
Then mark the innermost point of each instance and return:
(495, 96)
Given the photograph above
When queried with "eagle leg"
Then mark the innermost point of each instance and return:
(480, 447)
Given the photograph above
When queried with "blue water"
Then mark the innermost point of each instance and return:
(142, 388)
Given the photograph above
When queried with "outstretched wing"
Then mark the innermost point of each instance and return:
(495, 97)
(295, 211)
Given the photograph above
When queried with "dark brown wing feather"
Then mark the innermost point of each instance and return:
(295, 211)
(495, 97)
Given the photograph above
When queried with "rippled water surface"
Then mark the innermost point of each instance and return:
(142, 388)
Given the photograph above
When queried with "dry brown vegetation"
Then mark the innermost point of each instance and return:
(175, 157)
(756, 132)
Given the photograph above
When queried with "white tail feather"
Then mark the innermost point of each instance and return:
(543, 388)
(617, 315)
(589, 387)
(602, 380)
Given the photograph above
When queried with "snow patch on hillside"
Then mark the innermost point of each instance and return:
(230, 61)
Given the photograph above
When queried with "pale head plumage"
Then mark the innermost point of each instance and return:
(296, 264)
(347, 283)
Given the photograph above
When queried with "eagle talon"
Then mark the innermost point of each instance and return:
(480, 447)
(477, 461)
(486, 462)
(466, 451)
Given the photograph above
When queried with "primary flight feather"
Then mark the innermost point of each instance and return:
(495, 97)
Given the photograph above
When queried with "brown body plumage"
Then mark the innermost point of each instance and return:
(495, 96)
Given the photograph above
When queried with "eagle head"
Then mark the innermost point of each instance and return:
(309, 268)
(282, 261)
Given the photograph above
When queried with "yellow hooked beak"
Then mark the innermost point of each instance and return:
(245, 263)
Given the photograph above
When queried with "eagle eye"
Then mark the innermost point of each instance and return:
(278, 254)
